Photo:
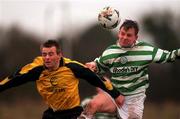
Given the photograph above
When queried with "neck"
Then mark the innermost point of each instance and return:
(130, 46)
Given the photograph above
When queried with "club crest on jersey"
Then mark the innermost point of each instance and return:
(123, 60)
(55, 87)
(53, 81)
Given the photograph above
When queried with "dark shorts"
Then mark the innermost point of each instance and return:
(65, 114)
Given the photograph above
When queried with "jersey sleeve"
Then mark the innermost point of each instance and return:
(163, 56)
(29, 72)
(86, 74)
(38, 61)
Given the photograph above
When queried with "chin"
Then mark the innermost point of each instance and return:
(48, 66)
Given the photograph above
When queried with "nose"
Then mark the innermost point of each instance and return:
(125, 37)
(47, 57)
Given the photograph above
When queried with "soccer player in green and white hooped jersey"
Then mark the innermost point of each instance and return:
(127, 61)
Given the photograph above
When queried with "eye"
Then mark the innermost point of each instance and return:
(44, 54)
(129, 35)
(122, 33)
(51, 53)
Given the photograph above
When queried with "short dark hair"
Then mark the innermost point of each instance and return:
(50, 43)
(127, 24)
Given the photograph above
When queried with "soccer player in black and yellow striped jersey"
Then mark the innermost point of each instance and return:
(57, 82)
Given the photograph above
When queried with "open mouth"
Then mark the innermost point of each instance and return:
(47, 63)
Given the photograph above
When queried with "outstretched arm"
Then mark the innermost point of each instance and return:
(85, 73)
(162, 56)
(17, 79)
(29, 72)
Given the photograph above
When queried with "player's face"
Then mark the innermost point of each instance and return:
(127, 38)
(50, 57)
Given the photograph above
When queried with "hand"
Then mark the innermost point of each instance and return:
(120, 100)
(91, 66)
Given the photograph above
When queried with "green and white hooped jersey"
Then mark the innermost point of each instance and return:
(128, 66)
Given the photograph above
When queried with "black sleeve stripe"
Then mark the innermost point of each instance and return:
(85, 73)
(18, 79)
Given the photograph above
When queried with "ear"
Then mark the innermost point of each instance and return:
(59, 55)
(136, 38)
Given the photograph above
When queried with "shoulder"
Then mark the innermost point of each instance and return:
(76, 67)
(111, 50)
(37, 62)
(72, 63)
(113, 46)
(143, 43)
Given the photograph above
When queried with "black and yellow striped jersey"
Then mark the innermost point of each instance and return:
(59, 88)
